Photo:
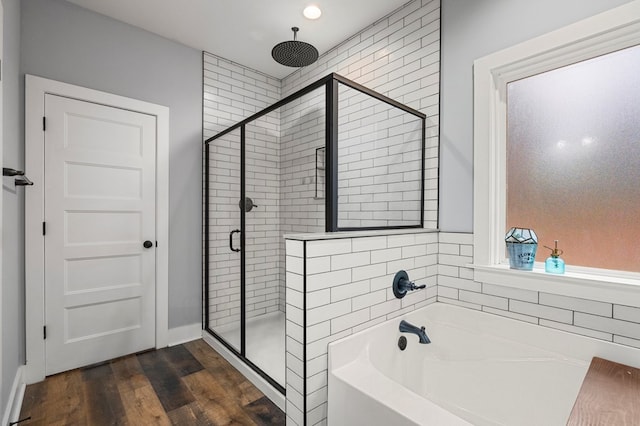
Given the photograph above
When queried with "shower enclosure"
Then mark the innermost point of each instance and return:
(333, 156)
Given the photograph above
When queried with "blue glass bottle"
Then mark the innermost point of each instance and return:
(553, 264)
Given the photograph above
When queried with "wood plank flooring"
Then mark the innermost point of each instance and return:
(609, 396)
(189, 384)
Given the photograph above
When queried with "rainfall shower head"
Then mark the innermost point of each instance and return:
(294, 53)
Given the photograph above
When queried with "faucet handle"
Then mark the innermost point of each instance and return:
(402, 285)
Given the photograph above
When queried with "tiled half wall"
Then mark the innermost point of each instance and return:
(338, 287)
(399, 57)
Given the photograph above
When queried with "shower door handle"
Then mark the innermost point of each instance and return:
(231, 240)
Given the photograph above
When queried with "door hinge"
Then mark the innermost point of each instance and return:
(156, 244)
(44, 332)
(44, 124)
(44, 228)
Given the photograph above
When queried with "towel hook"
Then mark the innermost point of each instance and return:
(21, 180)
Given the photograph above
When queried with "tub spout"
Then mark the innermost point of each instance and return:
(405, 327)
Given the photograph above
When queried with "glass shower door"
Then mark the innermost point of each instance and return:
(281, 181)
(264, 254)
(224, 239)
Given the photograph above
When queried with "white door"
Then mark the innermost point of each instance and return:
(99, 198)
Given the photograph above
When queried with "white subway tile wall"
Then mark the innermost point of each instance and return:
(263, 264)
(302, 132)
(379, 152)
(224, 264)
(232, 93)
(592, 318)
(399, 57)
(352, 294)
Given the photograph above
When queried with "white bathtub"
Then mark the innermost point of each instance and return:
(480, 369)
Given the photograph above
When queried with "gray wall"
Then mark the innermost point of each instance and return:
(64, 42)
(472, 29)
(12, 287)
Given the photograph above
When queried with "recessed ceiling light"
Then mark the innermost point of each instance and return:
(312, 12)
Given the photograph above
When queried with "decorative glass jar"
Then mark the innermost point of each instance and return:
(522, 244)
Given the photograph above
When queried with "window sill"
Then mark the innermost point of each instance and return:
(611, 289)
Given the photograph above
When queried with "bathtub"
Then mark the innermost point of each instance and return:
(480, 369)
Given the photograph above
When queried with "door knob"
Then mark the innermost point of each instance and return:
(147, 244)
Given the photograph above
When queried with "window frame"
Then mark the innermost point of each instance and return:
(613, 30)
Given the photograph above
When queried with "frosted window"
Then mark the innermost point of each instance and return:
(573, 160)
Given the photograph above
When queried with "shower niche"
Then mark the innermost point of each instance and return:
(334, 156)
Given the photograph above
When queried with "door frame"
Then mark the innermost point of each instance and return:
(2, 397)
(35, 90)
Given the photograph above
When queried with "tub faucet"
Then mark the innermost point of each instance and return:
(405, 327)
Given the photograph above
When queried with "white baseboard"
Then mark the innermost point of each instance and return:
(14, 404)
(185, 333)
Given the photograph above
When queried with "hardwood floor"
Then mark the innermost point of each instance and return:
(189, 384)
